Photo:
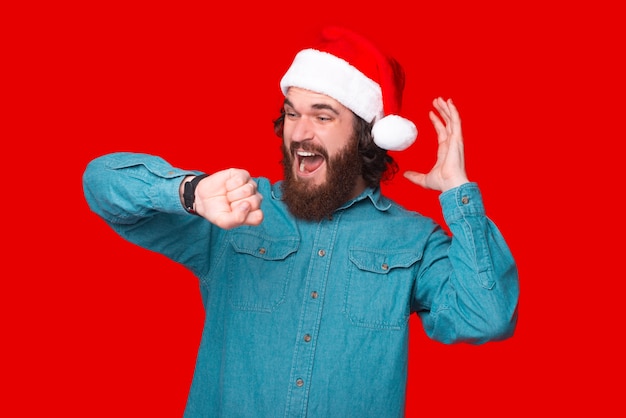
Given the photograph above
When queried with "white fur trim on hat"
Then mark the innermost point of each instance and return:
(394, 133)
(327, 74)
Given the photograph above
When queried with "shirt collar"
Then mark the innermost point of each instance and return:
(373, 194)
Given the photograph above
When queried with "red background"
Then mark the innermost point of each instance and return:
(94, 326)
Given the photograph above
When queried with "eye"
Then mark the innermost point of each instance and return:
(289, 112)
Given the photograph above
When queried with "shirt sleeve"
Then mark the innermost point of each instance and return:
(467, 289)
(138, 196)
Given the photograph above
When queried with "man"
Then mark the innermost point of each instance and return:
(308, 283)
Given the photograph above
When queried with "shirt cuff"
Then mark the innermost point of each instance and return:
(460, 202)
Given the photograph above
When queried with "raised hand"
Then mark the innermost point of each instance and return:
(229, 198)
(449, 169)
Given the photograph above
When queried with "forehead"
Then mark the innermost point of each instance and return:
(301, 98)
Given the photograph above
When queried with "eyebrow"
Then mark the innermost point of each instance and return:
(316, 106)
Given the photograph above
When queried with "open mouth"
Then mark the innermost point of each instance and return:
(308, 162)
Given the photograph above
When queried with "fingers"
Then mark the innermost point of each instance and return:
(245, 215)
(229, 198)
(442, 108)
(440, 129)
(240, 215)
(248, 209)
(243, 191)
(448, 171)
(449, 113)
(240, 187)
(245, 200)
(242, 212)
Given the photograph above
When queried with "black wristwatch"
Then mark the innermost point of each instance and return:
(189, 193)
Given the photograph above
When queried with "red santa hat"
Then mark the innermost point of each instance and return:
(351, 70)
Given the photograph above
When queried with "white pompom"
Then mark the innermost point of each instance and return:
(394, 133)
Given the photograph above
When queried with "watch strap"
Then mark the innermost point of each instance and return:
(189, 193)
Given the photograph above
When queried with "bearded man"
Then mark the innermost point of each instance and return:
(308, 283)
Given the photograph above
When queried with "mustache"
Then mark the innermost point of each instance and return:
(309, 147)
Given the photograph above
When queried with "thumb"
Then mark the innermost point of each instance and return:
(415, 177)
(246, 215)
(242, 208)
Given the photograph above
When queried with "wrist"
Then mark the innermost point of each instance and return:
(454, 183)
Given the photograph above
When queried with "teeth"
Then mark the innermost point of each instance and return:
(304, 154)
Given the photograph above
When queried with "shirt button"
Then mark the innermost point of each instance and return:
(261, 250)
(299, 382)
(321, 253)
(385, 266)
(307, 338)
(314, 295)
(465, 200)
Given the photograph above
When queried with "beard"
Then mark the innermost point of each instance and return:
(316, 202)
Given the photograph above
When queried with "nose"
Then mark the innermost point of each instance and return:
(302, 129)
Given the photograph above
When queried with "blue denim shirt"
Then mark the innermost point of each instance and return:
(311, 318)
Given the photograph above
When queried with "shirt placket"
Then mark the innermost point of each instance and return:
(310, 316)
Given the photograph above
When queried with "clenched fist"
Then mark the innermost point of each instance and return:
(228, 198)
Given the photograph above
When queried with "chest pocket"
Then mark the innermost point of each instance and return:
(260, 268)
(379, 287)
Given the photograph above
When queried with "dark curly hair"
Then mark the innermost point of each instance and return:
(378, 165)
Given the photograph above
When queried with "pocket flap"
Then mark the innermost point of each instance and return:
(381, 261)
(268, 248)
